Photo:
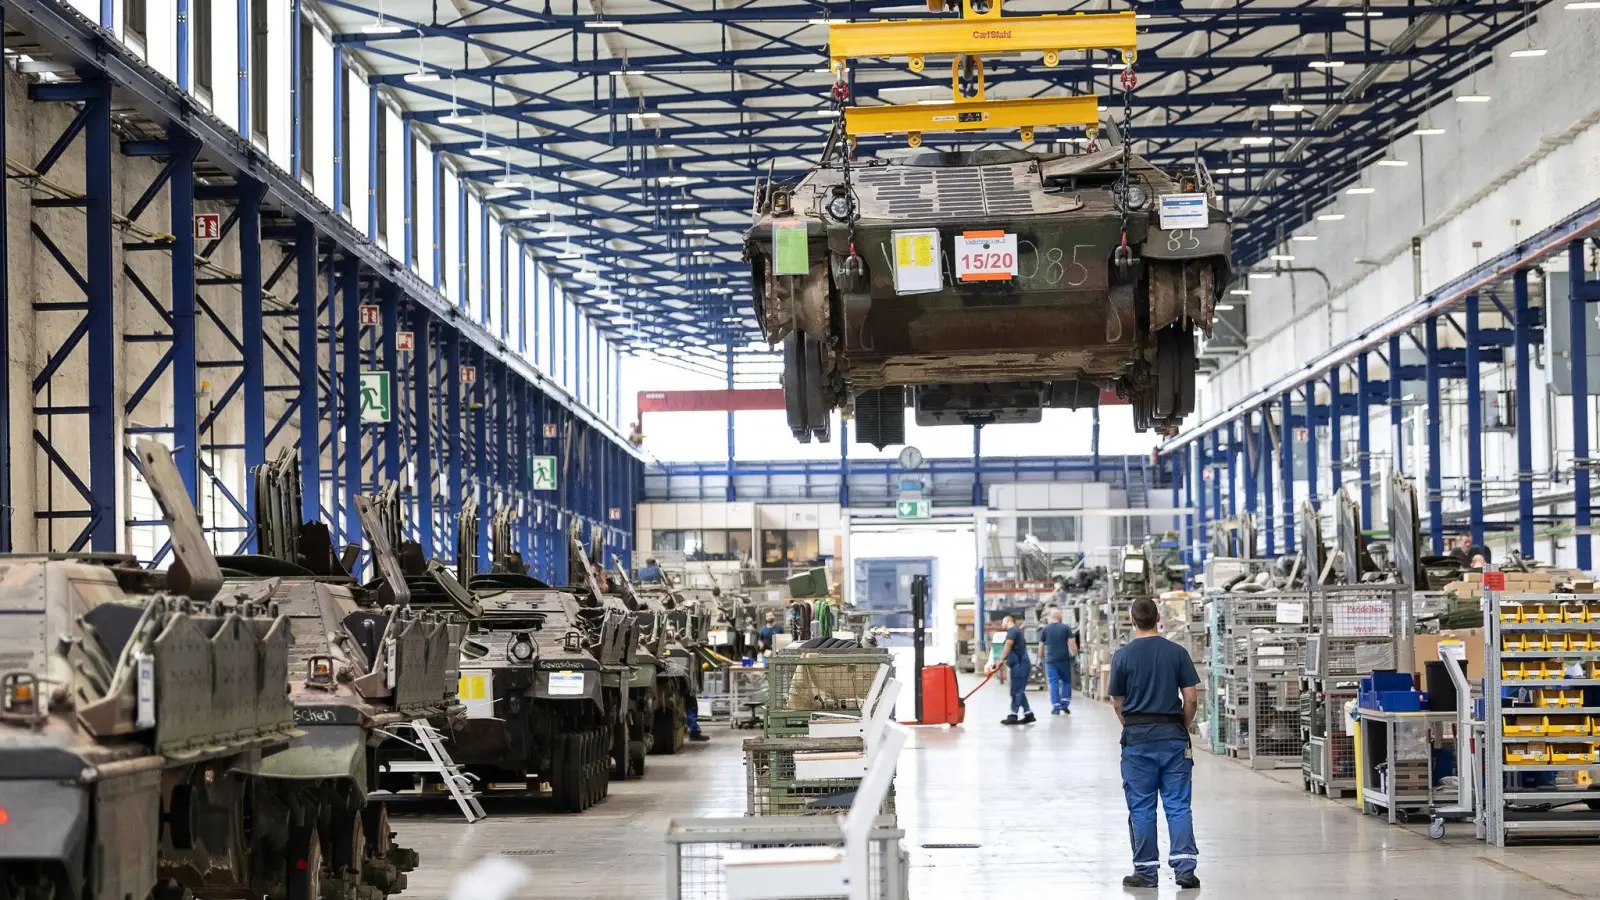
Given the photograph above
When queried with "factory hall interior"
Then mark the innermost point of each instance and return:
(799, 449)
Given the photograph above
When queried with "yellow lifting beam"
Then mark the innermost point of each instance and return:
(973, 115)
(983, 34)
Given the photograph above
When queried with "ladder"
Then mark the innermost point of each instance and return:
(439, 764)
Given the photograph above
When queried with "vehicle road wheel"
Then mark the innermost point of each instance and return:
(817, 418)
(170, 890)
(794, 386)
(303, 864)
(1167, 362)
(1186, 374)
(563, 778)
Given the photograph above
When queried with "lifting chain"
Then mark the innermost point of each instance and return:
(854, 268)
(1124, 253)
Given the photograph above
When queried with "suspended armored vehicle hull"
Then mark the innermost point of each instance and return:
(984, 287)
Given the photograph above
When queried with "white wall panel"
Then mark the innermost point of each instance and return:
(320, 165)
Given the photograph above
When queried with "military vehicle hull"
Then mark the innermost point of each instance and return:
(1069, 313)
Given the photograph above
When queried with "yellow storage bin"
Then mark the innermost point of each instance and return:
(1566, 726)
(1511, 613)
(1542, 613)
(1533, 753)
(1567, 754)
(1582, 642)
(1552, 698)
(1575, 613)
(1524, 726)
(1515, 643)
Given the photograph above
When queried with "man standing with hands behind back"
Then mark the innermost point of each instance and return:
(1153, 689)
(1057, 646)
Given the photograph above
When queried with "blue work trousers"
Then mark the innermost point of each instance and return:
(1163, 767)
(692, 713)
(1017, 676)
(1059, 674)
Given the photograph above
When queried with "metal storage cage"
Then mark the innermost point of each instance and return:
(772, 787)
(801, 683)
(696, 847)
(1262, 643)
(1354, 630)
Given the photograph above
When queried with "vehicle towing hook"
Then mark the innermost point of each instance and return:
(854, 271)
(1123, 257)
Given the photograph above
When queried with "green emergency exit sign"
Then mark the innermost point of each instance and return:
(913, 509)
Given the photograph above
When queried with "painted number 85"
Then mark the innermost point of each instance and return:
(1182, 240)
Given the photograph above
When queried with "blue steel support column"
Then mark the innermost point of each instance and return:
(844, 463)
(306, 328)
(252, 338)
(1311, 444)
(482, 470)
(389, 300)
(1094, 444)
(1474, 424)
(103, 437)
(731, 493)
(1286, 463)
(1397, 413)
(408, 162)
(977, 466)
(1175, 469)
(1524, 346)
(438, 224)
(1270, 527)
(181, 41)
(185, 351)
(1578, 312)
(1430, 330)
(243, 34)
(421, 410)
(1194, 473)
(1364, 438)
(452, 427)
(1335, 431)
(1233, 468)
(349, 390)
(1215, 467)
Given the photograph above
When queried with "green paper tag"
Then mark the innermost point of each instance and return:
(791, 248)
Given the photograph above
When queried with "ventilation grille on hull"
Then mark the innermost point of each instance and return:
(881, 416)
(969, 191)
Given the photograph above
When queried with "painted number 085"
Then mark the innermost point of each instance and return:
(1182, 240)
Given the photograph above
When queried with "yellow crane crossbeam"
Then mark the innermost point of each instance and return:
(980, 36)
(973, 115)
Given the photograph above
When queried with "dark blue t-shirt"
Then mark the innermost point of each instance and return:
(767, 633)
(1149, 674)
(1055, 637)
(1019, 648)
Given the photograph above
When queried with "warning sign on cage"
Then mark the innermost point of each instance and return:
(469, 375)
(1359, 618)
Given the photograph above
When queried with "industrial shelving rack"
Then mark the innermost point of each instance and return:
(1354, 630)
(1263, 640)
(1542, 649)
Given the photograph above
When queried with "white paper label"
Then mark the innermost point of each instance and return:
(986, 256)
(566, 684)
(720, 637)
(145, 673)
(916, 261)
(1291, 613)
(1179, 211)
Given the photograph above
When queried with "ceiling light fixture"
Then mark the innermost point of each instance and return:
(644, 114)
(1472, 98)
(1261, 276)
(1391, 161)
(1240, 292)
(1227, 171)
(1223, 307)
(1331, 217)
(454, 119)
(1282, 257)
(697, 231)
(1256, 140)
(484, 151)
(1358, 190)
(602, 23)
(904, 88)
(1584, 4)
(1303, 237)
(1428, 131)
(685, 206)
(381, 27)
(1528, 53)
(1326, 63)
(1286, 108)
(422, 76)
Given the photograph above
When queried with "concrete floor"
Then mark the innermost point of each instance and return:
(1044, 804)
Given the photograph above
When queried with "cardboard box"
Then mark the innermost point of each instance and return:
(1427, 648)
(1474, 577)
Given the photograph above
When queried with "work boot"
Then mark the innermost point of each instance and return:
(1138, 881)
(1056, 711)
(1066, 710)
(1189, 881)
(697, 736)
(1009, 720)
(1029, 719)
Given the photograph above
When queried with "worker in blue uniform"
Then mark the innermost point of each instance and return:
(649, 572)
(1057, 646)
(1014, 656)
(1153, 689)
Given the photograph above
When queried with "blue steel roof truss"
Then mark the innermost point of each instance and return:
(1191, 101)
